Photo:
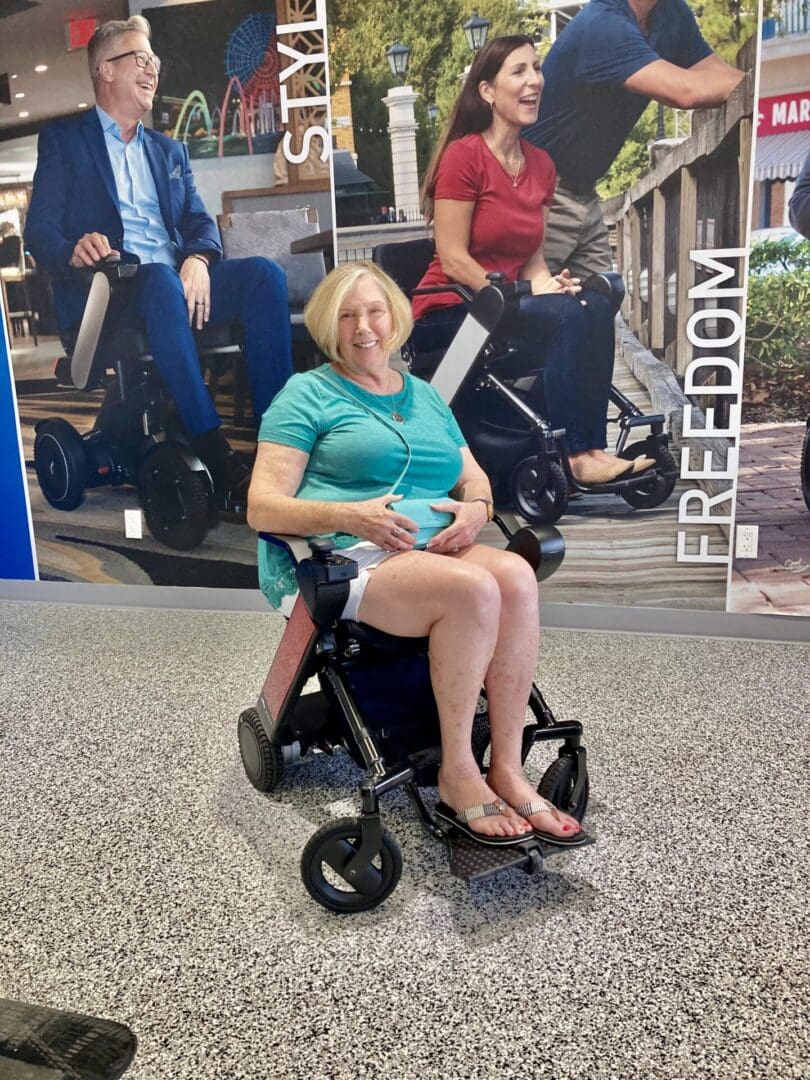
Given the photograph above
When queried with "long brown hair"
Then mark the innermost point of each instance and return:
(470, 113)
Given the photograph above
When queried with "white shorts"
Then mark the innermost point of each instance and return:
(367, 556)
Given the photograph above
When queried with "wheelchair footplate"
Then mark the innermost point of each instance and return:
(472, 861)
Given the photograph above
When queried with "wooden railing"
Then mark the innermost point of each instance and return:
(695, 196)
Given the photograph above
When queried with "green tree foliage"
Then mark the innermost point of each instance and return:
(360, 32)
(777, 343)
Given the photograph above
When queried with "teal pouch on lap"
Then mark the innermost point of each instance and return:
(430, 521)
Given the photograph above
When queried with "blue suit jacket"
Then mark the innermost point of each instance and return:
(74, 193)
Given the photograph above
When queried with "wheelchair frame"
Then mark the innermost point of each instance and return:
(287, 725)
(540, 481)
(136, 438)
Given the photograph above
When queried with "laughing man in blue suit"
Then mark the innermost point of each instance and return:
(104, 183)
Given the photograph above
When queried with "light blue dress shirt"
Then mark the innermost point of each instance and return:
(145, 234)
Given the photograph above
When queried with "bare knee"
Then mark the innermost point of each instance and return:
(475, 594)
(516, 582)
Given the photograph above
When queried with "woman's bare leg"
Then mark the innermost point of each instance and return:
(509, 679)
(457, 605)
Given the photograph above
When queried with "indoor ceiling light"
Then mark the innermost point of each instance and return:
(82, 104)
(41, 67)
(19, 95)
(12, 76)
(23, 115)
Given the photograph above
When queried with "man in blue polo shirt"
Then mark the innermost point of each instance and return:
(602, 71)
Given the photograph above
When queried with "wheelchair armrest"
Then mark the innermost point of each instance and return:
(467, 295)
(105, 278)
(323, 577)
(543, 546)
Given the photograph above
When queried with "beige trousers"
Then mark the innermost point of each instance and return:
(577, 237)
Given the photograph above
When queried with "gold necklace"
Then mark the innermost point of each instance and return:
(513, 172)
(396, 416)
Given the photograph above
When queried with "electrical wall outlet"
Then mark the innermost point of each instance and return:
(747, 541)
(133, 525)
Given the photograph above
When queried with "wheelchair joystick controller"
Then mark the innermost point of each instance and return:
(323, 581)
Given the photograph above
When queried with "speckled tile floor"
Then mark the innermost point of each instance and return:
(144, 880)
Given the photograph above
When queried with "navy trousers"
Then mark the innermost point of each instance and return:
(575, 344)
(254, 291)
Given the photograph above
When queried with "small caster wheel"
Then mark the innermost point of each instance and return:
(806, 466)
(324, 864)
(652, 490)
(262, 759)
(174, 498)
(61, 463)
(558, 784)
(539, 490)
(535, 863)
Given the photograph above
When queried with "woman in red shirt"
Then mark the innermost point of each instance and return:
(487, 192)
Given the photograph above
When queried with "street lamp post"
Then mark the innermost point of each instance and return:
(475, 30)
(433, 112)
(402, 132)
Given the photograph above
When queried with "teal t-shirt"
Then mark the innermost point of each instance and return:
(358, 451)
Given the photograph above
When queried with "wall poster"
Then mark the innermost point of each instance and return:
(295, 107)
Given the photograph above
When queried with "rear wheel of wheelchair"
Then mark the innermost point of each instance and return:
(559, 783)
(261, 758)
(806, 466)
(655, 489)
(325, 868)
(174, 498)
(539, 490)
(61, 463)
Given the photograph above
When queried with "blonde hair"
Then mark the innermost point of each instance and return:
(323, 308)
(108, 32)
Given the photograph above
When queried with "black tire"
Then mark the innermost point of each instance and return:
(329, 851)
(557, 785)
(655, 489)
(535, 498)
(61, 464)
(261, 758)
(174, 498)
(806, 466)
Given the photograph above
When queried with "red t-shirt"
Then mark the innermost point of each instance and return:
(507, 221)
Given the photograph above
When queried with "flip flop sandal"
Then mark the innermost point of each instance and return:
(535, 807)
(462, 819)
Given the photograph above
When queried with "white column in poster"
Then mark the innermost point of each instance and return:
(402, 131)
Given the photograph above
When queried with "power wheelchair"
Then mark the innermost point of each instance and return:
(526, 460)
(374, 701)
(137, 437)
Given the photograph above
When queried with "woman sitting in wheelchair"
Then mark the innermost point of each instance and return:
(338, 449)
(487, 192)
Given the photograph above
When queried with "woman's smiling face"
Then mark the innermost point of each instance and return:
(365, 326)
(514, 93)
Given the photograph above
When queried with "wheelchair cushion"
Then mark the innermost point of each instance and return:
(370, 637)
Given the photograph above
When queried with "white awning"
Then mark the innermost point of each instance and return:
(780, 157)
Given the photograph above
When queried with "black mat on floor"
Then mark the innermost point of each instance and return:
(48, 1044)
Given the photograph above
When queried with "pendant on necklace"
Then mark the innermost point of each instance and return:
(397, 417)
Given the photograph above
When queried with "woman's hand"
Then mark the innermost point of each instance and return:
(469, 519)
(561, 283)
(380, 523)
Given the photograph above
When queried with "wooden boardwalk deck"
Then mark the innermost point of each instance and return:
(618, 555)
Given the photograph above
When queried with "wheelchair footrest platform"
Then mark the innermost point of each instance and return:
(472, 861)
